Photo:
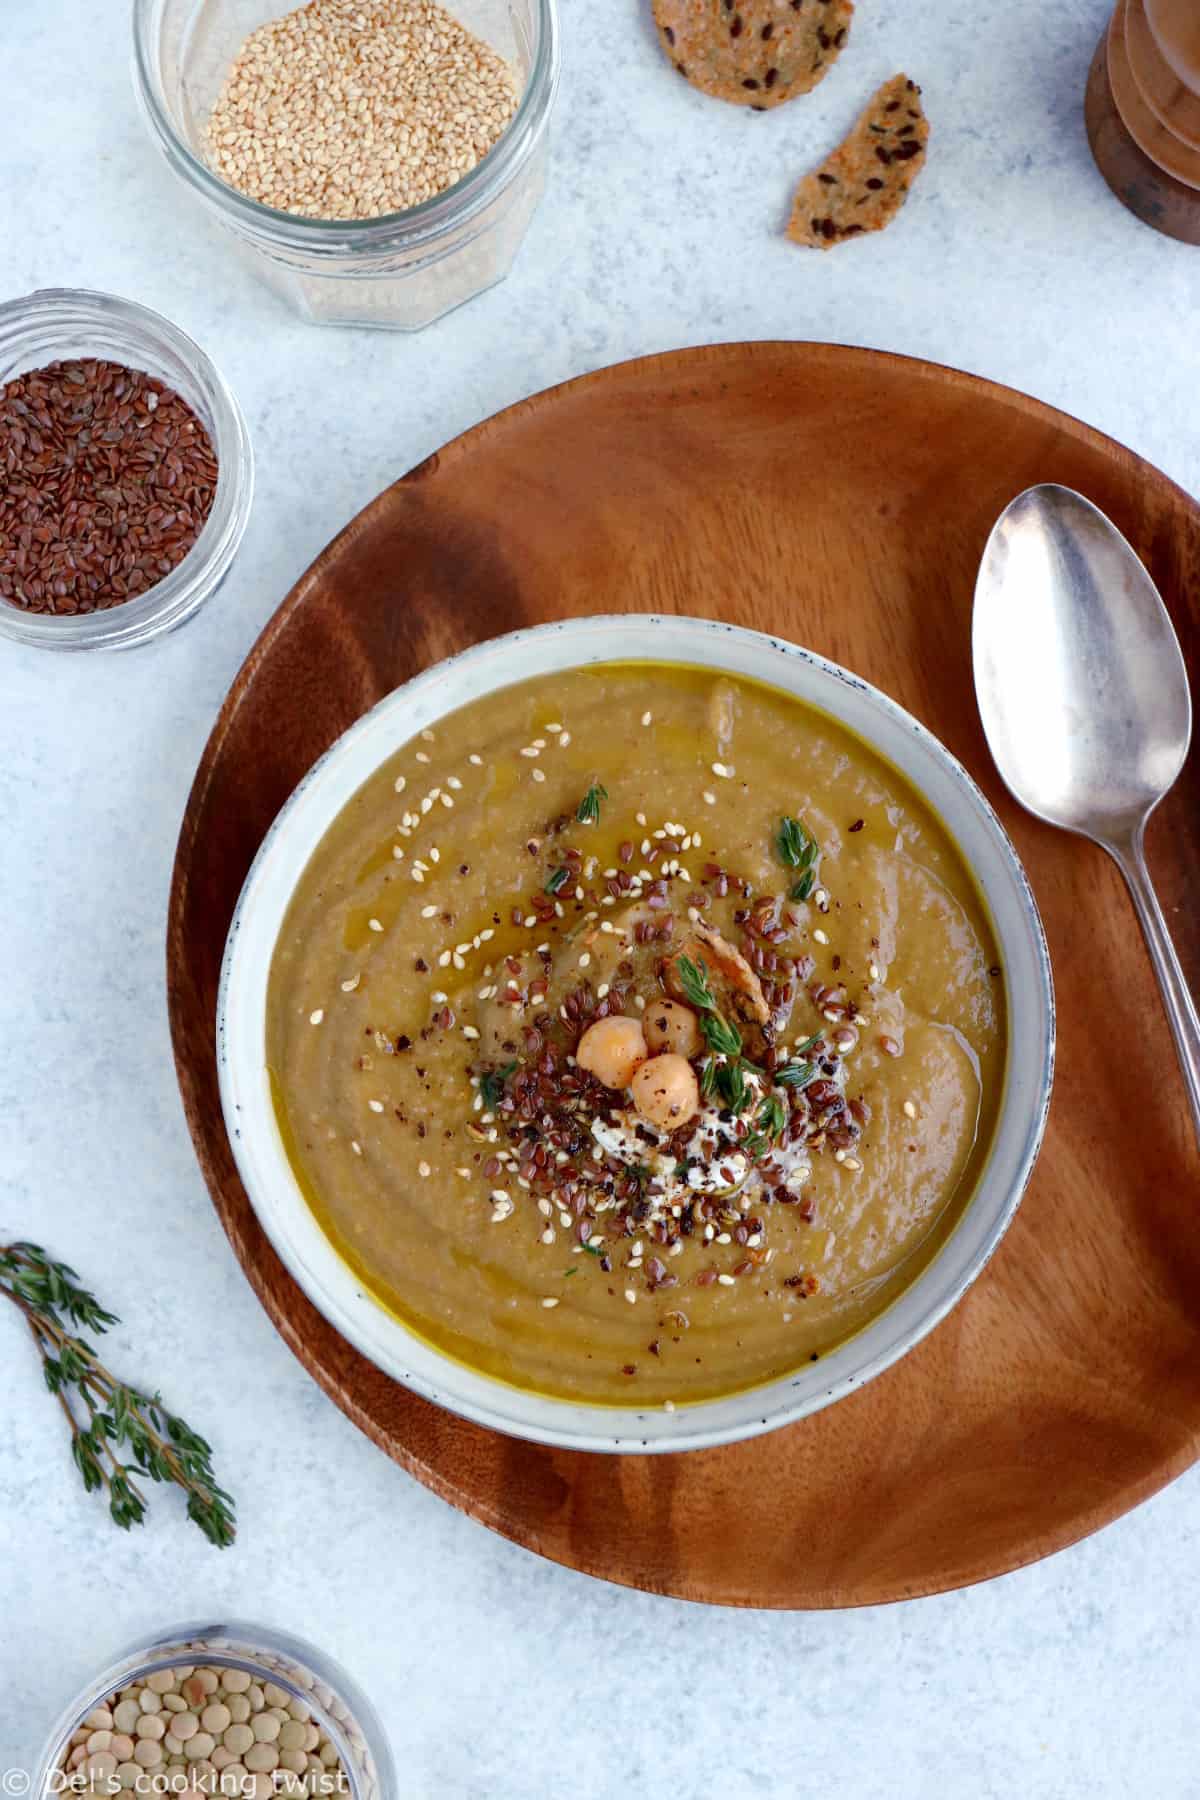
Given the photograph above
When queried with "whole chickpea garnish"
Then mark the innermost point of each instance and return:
(674, 1027)
(613, 1050)
(665, 1091)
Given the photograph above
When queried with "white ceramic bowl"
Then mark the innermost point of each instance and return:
(241, 1031)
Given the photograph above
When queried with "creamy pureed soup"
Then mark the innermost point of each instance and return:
(636, 1034)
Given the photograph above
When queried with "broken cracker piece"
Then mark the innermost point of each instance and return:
(865, 182)
(755, 53)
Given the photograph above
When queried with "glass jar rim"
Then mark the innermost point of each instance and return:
(70, 314)
(414, 225)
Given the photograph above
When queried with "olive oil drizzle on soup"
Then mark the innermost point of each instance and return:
(636, 1034)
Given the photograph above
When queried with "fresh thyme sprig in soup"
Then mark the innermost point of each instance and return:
(636, 1034)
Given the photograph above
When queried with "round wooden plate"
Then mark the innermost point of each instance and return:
(840, 498)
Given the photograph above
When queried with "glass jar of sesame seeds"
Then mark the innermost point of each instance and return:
(230, 1710)
(408, 266)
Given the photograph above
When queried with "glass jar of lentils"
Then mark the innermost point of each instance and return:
(231, 1710)
(400, 232)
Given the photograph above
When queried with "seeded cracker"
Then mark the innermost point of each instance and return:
(865, 182)
(755, 53)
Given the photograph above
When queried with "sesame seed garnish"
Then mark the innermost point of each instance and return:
(374, 925)
(477, 761)
(348, 987)
(400, 783)
(554, 726)
(910, 1111)
(444, 960)
(429, 912)
(427, 735)
(438, 998)
(452, 781)
(852, 1162)
(564, 740)
(356, 1146)
(398, 853)
(820, 937)
(427, 804)
(446, 800)
(721, 770)
(668, 1406)
(725, 1280)
(538, 774)
(548, 1236)
(647, 718)
(314, 1018)
(631, 1296)
(873, 971)
(376, 1106)
(549, 1301)
(417, 873)
(423, 1170)
(422, 756)
(530, 750)
(469, 1031)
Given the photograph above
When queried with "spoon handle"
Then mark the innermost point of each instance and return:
(1177, 996)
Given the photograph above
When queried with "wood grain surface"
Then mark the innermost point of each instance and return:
(840, 498)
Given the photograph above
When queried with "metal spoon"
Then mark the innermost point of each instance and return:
(1085, 700)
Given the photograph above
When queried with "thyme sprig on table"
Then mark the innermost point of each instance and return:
(106, 1414)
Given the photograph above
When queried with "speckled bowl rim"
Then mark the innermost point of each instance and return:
(545, 650)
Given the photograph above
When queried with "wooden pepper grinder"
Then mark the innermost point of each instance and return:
(1143, 112)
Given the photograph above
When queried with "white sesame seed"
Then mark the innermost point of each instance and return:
(427, 735)
(529, 750)
(314, 1018)
(668, 1406)
(356, 1146)
(538, 774)
(852, 1162)
(398, 853)
(429, 912)
(477, 761)
(422, 757)
(554, 726)
(819, 936)
(446, 800)
(873, 971)
(424, 1170)
(437, 997)
(444, 960)
(376, 1106)
(725, 1280)
(549, 1301)
(400, 783)
(348, 987)
(548, 1236)
(416, 873)
(721, 770)
(910, 1111)
(631, 1296)
(374, 925)
(647, 718)
(564, 740)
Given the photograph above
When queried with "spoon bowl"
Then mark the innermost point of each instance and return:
(1080, 678)
(1084, 698)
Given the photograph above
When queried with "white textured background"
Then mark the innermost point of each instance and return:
(498, 1675)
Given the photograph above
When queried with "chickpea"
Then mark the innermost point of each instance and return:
(665, 1091)
(613, 1050)
(670, 1026)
